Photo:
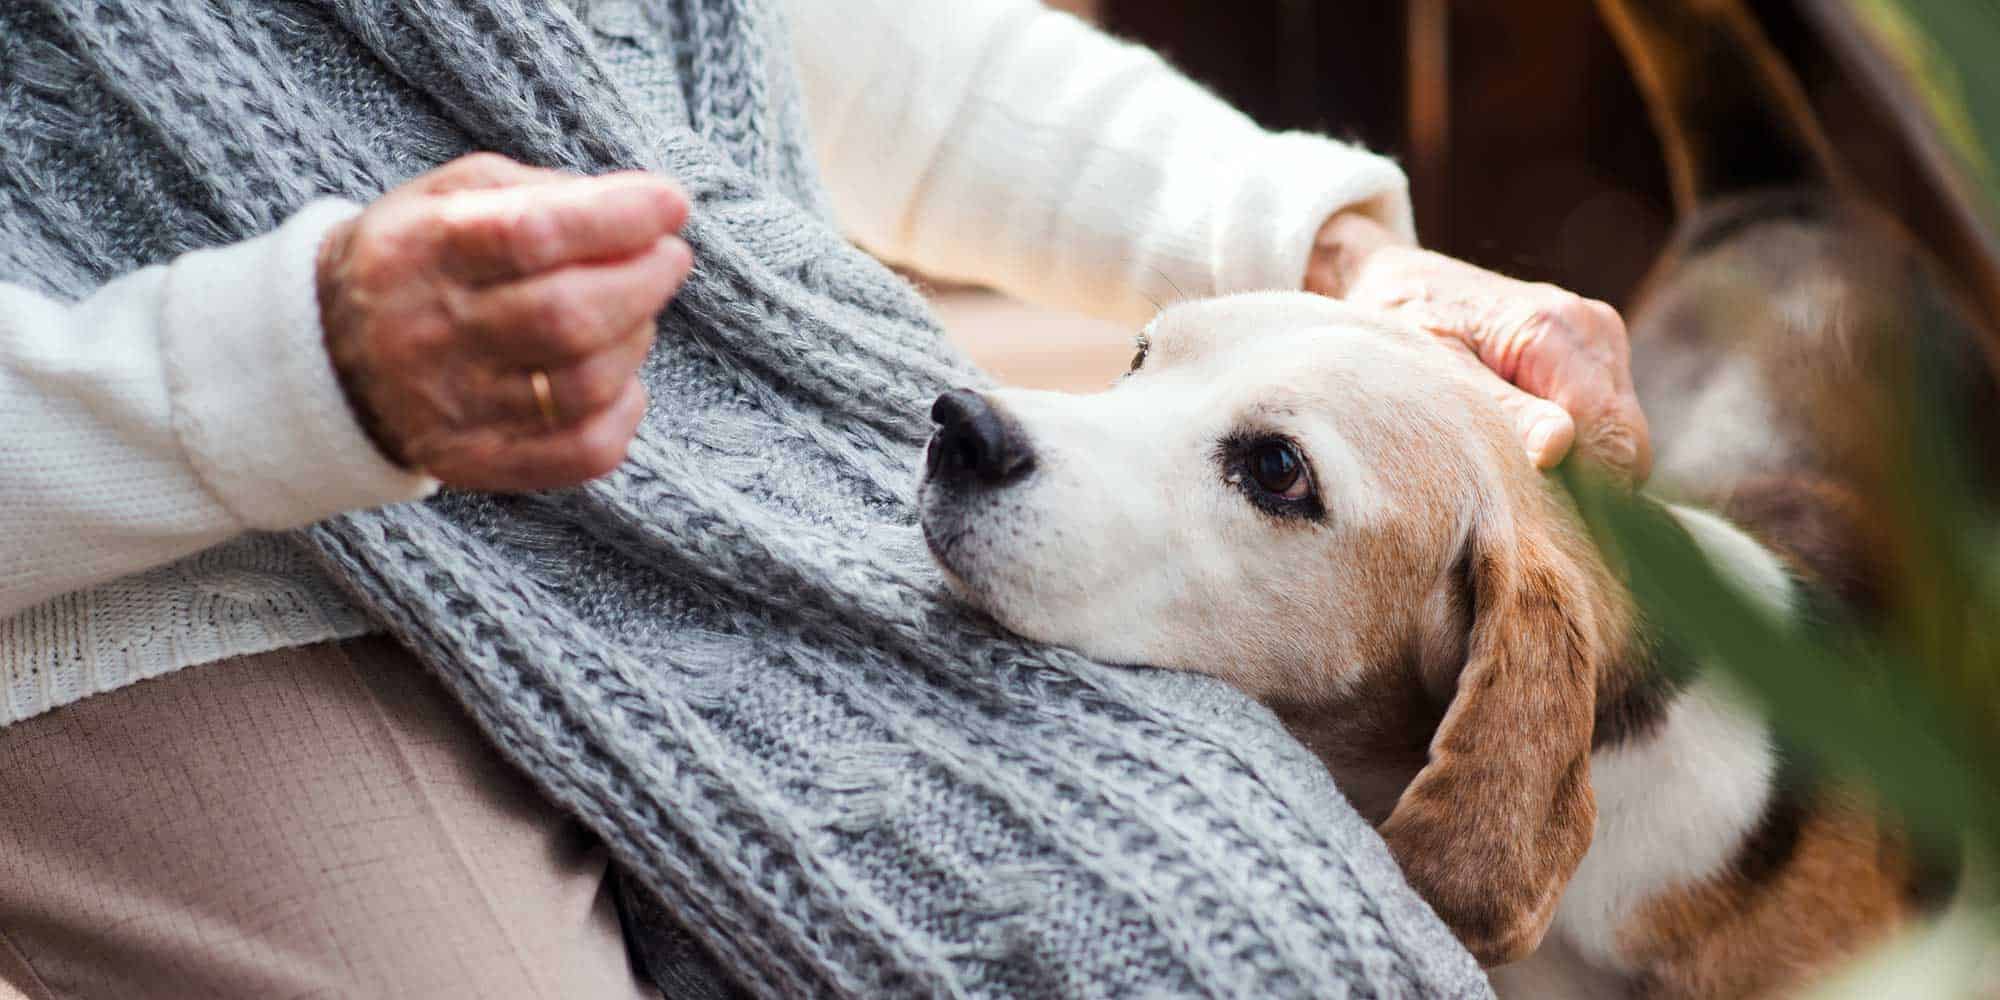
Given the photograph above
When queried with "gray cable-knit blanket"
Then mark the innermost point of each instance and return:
(731, 658)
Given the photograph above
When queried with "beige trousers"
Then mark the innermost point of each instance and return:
(315, 822)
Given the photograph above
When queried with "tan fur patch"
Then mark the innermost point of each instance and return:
(1844, 887)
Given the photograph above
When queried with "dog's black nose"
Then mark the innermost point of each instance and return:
(975, 442)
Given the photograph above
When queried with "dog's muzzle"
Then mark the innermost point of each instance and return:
(976, 444)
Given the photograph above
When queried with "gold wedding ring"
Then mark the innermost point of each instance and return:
(545, 399)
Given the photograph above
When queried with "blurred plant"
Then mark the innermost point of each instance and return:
(1910, 705)
(1946, 48)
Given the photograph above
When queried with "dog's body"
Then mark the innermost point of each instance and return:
(1326, 509)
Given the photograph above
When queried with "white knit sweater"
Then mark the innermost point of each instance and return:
(156, 429)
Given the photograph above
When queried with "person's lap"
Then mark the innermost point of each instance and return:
(315, 822)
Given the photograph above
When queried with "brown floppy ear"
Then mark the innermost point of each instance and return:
(1491, 829)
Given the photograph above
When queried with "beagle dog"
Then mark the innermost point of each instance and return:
(1322, 507)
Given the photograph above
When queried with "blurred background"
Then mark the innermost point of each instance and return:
(1528, 149)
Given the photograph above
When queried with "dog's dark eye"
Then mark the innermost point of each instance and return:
(1144, 344)
(1276, 468)
(1272, 473)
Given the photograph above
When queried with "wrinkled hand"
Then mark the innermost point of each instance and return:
(441, 300)
(1563, 361)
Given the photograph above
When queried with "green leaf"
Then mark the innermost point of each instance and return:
(1858, 705)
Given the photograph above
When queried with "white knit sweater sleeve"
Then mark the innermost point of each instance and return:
(1002, 142)
(176, 408)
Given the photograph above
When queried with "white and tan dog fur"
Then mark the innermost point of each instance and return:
(1325, 509)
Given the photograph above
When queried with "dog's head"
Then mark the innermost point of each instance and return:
(1322, 507)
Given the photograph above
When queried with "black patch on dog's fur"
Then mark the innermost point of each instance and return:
(1771, 846)
(1639, 710)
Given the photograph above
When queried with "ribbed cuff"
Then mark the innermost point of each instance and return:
(256, 402)
(1289, 185)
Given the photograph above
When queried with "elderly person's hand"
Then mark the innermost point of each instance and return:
(1564, 359)
(488, 319)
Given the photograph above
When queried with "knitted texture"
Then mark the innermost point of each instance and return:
(731, 658)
